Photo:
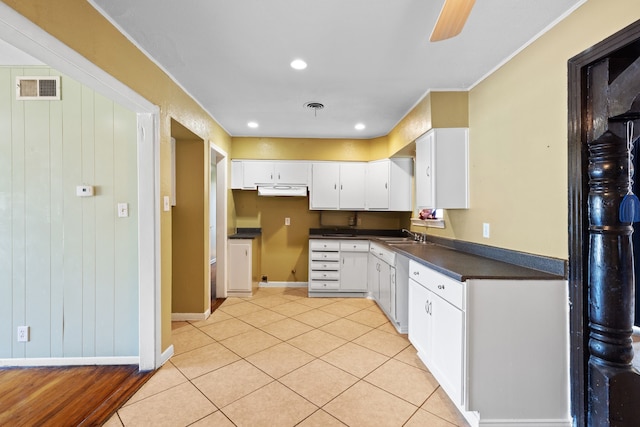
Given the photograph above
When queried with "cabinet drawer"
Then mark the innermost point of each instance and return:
(354, 246)
(324, 275)
(325, 256)
(450, 290)
(324, 245)
(319, 284)
(331, 266)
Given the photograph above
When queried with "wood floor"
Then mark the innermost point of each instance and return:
(70, 396)
(66, 396)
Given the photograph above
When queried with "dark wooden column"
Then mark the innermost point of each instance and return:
(613, 384)
(604, 89)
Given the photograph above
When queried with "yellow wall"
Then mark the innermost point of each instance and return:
(190, 238)
(518, 138)
(82, 28)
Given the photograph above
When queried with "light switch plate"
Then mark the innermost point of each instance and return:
(123, 210)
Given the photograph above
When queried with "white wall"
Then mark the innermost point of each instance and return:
(68, 265)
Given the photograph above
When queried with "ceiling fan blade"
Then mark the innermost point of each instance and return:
(452, 17)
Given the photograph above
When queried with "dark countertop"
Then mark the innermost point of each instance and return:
(462, 266)
(246, 233)
(454, 263)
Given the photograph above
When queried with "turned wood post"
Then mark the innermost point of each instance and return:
(612, 381)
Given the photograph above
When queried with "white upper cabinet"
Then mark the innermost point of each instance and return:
(249, 174)
(389, 184)
(337, 185)
(442, 169)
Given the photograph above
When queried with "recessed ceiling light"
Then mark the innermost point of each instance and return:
(298, 64)
(359, 126)
(252, 125)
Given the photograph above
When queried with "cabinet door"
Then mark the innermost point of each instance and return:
(373, 276)
(257, 172)
(239, 265)
(447, 341)
(424, 171)
(324, 193)
(384, 297)
(353, 265)
(294, 173)
(420, 306)
(352, 185)
(378, 185)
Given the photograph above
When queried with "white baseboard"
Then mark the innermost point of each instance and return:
(283, 284)
(70, 361)
(166, 355)
(183, 317)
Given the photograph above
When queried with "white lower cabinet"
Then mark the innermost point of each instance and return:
(387, 276)
(240, 272)
(498, 348)
(337, 267)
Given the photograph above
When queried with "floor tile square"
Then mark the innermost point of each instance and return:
(411, 384)
(340, 309)
(204, 359)
(166, 377)
(180, 405)
(239, 309)
(373, 318)
(272, 405)
(280, 359)
(410, 356)
(286, 329)
(439, 404)
(316, 318)
(250, 342)
(232, 382)
(216, 316)
(217, 419)
(366, 405)
(355, 359)
(346, 329)
(317, 302)
(317, 342)
(321, 419)
(291, 308)
(261, 318)
(383, 342)
(190, 340)
(318, 381)
(423, 418)
(270, 301)
(227, 328)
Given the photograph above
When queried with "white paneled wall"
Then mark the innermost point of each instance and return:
(68, 264)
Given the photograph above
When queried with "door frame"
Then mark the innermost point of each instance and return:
(20, 32)
(578, 178)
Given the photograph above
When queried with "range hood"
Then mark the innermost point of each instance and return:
(283, 190)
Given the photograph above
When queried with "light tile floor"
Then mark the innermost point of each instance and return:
(282, 359)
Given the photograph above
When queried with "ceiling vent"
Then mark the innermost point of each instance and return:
(36, 87)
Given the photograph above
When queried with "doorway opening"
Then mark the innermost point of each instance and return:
(604, 97)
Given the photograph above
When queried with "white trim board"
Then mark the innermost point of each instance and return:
(70, 361)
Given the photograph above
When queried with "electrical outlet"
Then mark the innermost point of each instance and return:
(23, 333)
(287, 221)
(485, 230)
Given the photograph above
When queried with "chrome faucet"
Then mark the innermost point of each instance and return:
(418, 237)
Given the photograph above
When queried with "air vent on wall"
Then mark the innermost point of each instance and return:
(34, 87)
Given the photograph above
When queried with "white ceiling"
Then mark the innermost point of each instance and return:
(369, 61)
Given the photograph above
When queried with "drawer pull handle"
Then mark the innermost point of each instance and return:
(416, 273)
(440, 286)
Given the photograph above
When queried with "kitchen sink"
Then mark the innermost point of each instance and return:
(396, 239)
